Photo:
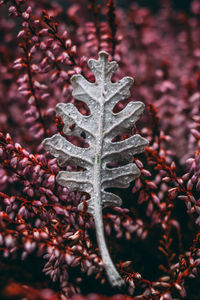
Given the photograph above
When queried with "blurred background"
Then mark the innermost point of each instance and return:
(153, 4)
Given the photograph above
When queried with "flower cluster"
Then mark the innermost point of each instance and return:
(154, 237)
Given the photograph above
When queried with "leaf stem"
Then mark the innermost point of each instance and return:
(113, 276)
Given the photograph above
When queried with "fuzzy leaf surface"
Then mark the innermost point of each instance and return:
(100, 127)
(105, 163)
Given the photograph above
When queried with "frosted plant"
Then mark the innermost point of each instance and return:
(99, 128)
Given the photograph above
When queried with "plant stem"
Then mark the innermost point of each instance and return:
(113, 276)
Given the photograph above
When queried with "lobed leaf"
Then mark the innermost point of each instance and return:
(99, 128)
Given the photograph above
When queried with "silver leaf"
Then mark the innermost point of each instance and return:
(100, 127)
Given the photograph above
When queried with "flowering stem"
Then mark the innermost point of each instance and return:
(95, 10)
(112, 23)
(28, 62)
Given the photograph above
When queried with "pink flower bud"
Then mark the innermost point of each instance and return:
(25, 15)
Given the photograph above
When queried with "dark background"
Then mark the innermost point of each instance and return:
(155, 4)
(182, 5)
